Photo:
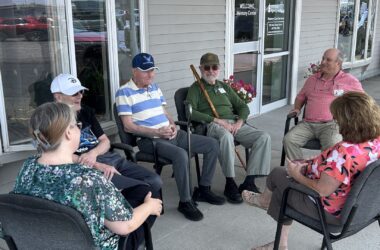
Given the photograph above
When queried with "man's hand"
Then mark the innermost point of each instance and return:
(296, 111)
(173, 127)
(224, 124)
(88, 159)
(165, 132)
(236, 126)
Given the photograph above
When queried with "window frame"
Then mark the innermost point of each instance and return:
(10, 152)
(353, 62)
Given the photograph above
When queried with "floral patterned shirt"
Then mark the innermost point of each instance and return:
(81, 188)
(344, 162)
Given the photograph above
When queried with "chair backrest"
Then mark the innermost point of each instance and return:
(36, 223)
(179, 98)
(364, 194)
(125, 137)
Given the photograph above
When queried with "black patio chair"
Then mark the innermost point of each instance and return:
(313, 144)
(28, 222)
(362, 208)
(184, 114)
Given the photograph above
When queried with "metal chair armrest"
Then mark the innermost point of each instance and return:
(128, 150)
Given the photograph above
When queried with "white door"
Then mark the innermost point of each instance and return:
(257, 50)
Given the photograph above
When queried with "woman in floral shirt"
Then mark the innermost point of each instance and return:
(52, 175)
(334, 171)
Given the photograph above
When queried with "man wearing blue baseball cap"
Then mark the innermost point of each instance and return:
(141, 106)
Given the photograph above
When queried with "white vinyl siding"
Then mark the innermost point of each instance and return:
(179, 32)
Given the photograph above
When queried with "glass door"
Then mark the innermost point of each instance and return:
(246, 47)
(276, 54)
(260, 50)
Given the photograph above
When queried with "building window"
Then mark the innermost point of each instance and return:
(33, 49)
(356, 28)
(128, 35)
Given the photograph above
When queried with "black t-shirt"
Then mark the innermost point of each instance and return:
(91, 129)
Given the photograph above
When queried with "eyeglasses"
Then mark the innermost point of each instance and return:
(79, 92)
(214, 67)
(79, 125)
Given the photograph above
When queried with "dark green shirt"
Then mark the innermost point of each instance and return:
(227, 103)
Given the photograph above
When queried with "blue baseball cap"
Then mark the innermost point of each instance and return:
(143, 62)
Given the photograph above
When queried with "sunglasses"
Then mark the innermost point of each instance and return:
(214, 67)
(79, 92)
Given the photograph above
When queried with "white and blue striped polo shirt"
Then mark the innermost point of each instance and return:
(144, 105)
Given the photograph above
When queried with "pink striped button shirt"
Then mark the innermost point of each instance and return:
(319, 93)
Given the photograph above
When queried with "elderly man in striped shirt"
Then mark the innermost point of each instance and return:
(140, 104)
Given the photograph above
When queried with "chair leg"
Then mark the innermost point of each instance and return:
(282, 157)
(278, 234)
(323, 244)
(158, 169)
(197, 168)
(148, 237)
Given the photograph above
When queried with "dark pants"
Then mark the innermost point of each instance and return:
(131, 173)
(277, 182)
(175, 150)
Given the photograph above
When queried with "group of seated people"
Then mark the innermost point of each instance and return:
(75, 167)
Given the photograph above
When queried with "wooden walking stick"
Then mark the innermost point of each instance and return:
(204, 91)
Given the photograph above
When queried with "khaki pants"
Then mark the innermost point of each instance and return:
(327, 133)
(259, 143)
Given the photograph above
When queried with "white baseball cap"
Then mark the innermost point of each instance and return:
(66, 84)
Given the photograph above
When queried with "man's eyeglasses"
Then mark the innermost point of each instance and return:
(214, 67)
(79, 92)
(79, 125)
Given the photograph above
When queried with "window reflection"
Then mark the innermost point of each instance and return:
(128, 32)
(245, 67)
(274, 76)
(372, 29)
(365, 26)
(31, 53)
(346, 25)
(277, 26)
(90, 37)
(361, 30)
(246, 20)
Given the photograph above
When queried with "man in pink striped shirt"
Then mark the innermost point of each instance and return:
(319, 91)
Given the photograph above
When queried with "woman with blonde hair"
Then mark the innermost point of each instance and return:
(54, 176)
(333, 172)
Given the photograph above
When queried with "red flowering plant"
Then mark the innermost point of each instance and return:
(246, 91)
(313, 68)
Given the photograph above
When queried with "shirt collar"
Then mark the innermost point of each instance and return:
(338, 75)
(131, 84)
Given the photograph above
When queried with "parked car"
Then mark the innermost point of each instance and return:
(31, 28)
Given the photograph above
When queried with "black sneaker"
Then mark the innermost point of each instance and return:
(232, 193)
(190, 211)
(250, 187)
(204, 193)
